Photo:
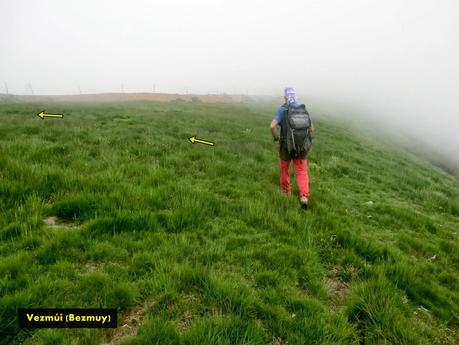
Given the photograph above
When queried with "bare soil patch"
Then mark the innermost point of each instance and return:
(336, 288)
(54, 223)
(122, 97)
(132, 321)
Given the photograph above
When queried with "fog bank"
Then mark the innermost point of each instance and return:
(393, 62)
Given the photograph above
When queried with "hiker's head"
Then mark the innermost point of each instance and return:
(289, 95)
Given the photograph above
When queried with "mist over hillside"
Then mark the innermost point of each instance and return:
(428, 145)
(155, 182)
(391, 64)
(424, 136)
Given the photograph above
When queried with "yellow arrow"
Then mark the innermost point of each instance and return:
(42, 115)
(193, 139)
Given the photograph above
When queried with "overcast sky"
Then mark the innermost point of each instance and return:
(392, 59)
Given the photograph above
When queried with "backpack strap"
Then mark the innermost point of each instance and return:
(286, 106)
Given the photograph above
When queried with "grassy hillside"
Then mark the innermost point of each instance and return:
(112, 206)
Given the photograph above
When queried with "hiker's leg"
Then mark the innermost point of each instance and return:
(301, 169)
(284, 175)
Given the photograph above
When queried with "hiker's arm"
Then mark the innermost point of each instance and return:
(312, 127)
(273, 128)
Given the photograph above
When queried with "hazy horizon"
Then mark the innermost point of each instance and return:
(392, 62)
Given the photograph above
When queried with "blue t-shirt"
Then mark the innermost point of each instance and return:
(280, 112)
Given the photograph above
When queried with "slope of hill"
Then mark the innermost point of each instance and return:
(112, 206)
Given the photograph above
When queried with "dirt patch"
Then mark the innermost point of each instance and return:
(277, 341)
(128, 97)
(91, 267)
(50, 221)
(189, 315)
(336, 288)
(54, 223)
(129, 327)
(186, 320)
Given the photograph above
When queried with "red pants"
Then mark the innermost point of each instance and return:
(301, 169)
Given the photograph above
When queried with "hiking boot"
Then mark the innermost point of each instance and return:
(304, 202)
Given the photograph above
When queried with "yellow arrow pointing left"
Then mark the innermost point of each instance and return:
(193, 139)
(42, 115)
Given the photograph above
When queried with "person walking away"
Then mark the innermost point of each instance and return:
(295, 141)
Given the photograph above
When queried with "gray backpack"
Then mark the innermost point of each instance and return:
(296, 130)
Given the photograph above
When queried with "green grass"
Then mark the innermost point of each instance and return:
(200, 240)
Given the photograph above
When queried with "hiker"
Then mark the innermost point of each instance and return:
(294, 143)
